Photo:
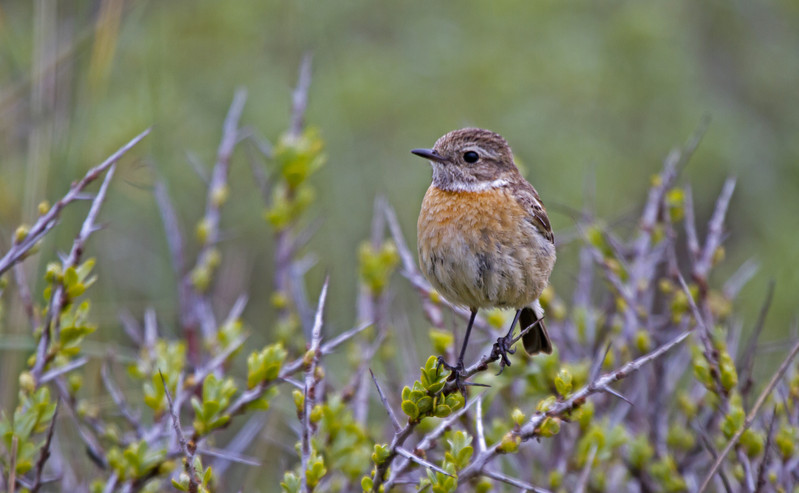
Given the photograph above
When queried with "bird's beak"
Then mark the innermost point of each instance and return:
(429, 154)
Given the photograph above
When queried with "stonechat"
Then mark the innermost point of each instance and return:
(484, 238)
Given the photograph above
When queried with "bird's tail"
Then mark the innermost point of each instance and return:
(536, 340)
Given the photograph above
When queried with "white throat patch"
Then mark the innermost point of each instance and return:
(482, 186)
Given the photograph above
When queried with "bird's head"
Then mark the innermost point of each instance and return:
(470, 159)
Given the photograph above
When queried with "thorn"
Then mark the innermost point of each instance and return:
(613, 392)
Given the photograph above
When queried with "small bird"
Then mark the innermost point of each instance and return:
(484, 238)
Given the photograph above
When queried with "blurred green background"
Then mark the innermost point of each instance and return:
(584, 91)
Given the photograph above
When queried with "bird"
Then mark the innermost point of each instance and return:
(484, 238)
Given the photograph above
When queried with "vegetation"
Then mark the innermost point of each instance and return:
(663, 428)
(253, 324)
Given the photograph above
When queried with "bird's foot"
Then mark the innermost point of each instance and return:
(458, 376)
(502, 348)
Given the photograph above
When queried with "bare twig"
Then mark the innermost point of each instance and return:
(239, 443)
(48, 220)
(692, 239)
(478, 424)
(187, 447)
(310, 386)
(514, 482)
(111, 484)
(761, 471)
(44, 453)
(582, 481)
(300, 96)
(25, 295)
(119, 399)
(200, 312)
(401, 451)
(712, 451)
(58, 297)
(750, 417)
(738, 280)
(389, 411)
(530, 429)
(715, 230)
(333, 343)
(171, 226)
(748, 360)
(56, 372)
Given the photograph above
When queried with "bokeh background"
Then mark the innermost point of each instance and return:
(591, 96)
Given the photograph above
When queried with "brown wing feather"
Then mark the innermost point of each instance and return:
(526, 195)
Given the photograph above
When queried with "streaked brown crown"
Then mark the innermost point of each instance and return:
(492, 148)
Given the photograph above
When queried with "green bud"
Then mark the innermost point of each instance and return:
(550, 427)
(510, 443)
(367, 483)
(752, 442)
(299, 400)
(640, 452)
(203, 230)
(495, 318)
(733, 421)
(441, 340)
(219, 195)
(729, 377)
(545, 404)
(26, 382)
(563, 382)
(785, 440)
(643, 341)
(680, 438)
(21, 233)
(686, 405)
(316, 414)
(555, 479)
(380, 454)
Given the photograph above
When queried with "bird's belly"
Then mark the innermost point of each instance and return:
(477, 250)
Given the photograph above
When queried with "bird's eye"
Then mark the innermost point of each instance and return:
(470, 157)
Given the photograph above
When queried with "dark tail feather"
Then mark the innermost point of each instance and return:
(536, 340)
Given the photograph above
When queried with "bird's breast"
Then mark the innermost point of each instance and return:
(478, 249)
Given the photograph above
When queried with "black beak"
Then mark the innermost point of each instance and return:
(429, 154)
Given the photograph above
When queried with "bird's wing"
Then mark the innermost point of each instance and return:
(528, 198)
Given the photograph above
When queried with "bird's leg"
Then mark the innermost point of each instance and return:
(503, 345)
(458, 369)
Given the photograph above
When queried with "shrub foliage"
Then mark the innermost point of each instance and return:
(649, 389)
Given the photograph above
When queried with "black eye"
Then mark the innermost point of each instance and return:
(470, 157)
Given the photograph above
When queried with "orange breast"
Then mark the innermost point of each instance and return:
(479, 250)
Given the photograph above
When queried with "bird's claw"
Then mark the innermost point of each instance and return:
(458, 376)
(447, 366)
(502, 348)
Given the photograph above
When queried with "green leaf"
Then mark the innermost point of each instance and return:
(410, 409)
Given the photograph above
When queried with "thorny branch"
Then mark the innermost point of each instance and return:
(44, 453)
(561, 408)
(187, 447)
(199, 311)
(58, 297)
(311, 380)
(751, 416)
(632, 307)
(48, 220)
